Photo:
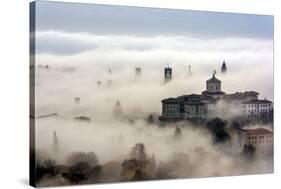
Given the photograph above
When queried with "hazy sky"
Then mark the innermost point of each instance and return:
(104, 19)
(99, 37)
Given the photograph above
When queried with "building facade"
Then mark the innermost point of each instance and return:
(167, 74)
(261, 138)
(213, 102)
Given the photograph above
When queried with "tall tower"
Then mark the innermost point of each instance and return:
(223, 67)
(55, 146)
(109, 81)
(213, 84)
(167, 74)
(77, 100)
(118, 110)
(189, 70)
(137, 71)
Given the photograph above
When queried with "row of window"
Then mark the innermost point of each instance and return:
(260, 137)
(169, 111)
(256, 105)
(171, 103)
(262, 110)
(258, 115)
(165, 109)
(260, 142)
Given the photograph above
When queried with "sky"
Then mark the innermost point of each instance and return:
(94, 38)
(124, 20)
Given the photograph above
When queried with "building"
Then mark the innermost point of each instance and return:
(189, 70)
(261, 138)
(77, 100)
(83, 118)
(213, 88)
(258, 108)
(167, 74)
(118, 110)
(223, 67)
(214, 102)
(137, 71)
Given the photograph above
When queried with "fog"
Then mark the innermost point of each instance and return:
(75, 72)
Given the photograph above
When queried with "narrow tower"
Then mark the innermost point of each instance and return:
(213, 84)
(213, 87)
(137, 71)
(189, 70)
(55, 143)
(118, 110)
(223, 67)
(167, 74)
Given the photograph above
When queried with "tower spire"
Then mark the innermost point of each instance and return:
(55, 143)
(223, 67)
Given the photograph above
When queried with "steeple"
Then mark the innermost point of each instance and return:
(189, 70)
(55, 143)
(118, 110)
(213, 84)
(223, 67)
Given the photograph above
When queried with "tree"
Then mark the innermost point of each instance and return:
(178, 134)
(79, 173)
(217, 127)
(138, 152)
(150, 119)
(139, 166)
(235, 124)
(78, 157)
(44, 167)
(249, 151)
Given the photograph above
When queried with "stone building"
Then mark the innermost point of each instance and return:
(258, 108)
(167, 74)
(260, 138)
(214, 102)
(118, 110)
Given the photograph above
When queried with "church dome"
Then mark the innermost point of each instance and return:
(213, 80)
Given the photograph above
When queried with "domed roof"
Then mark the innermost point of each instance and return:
(214, 80)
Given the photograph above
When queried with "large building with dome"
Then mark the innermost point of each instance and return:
(213, 102)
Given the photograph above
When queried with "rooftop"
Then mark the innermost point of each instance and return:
(257, 101)
(214, 79)
(258, 131)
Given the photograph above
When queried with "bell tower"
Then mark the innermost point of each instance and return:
(213, 84)
(167, 74)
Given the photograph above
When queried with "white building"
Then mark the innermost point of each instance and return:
(258, 108)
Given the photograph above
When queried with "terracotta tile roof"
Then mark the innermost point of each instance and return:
(258, 131)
